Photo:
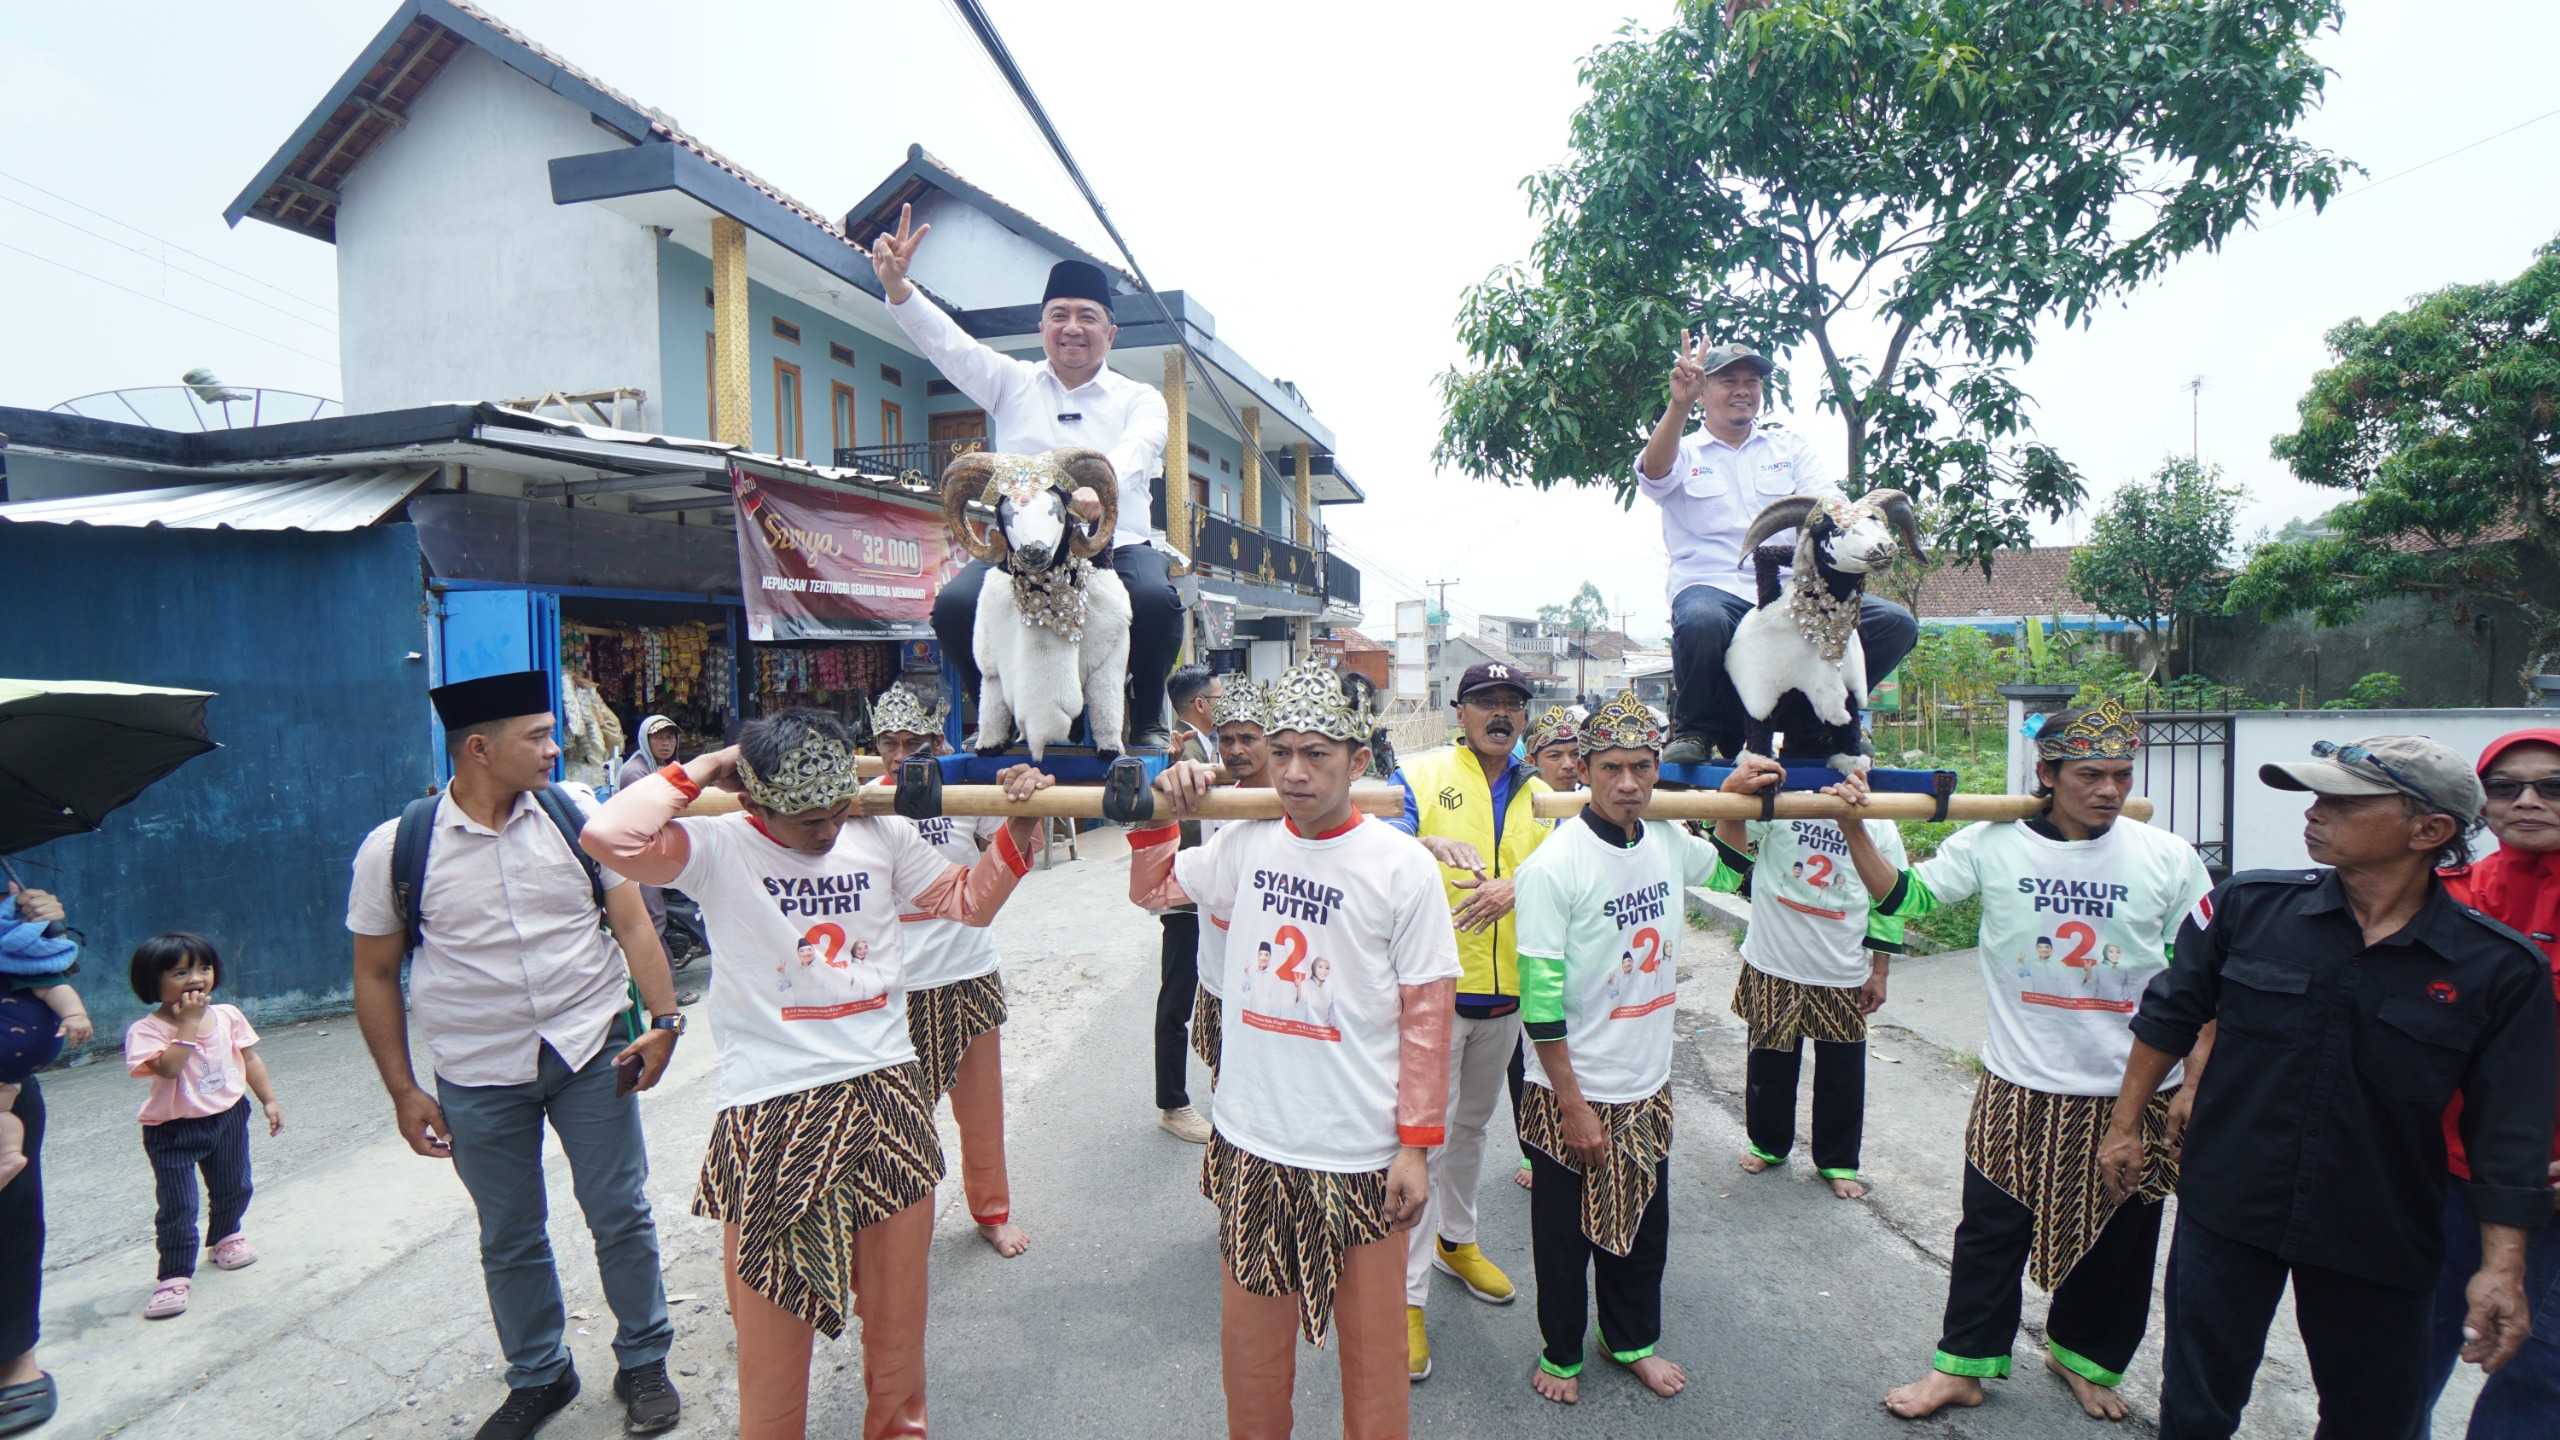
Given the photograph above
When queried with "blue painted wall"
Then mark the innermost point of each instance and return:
(322, 719)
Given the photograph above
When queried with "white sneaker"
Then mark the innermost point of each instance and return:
(1184, 1124)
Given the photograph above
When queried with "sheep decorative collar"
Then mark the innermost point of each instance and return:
(2104, 731)
(815, 775)
(900, 711)
(1309, 698)
(1625, 723)
(1556, 727)
(1242, 703)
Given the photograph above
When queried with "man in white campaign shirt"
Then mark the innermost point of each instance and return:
(1814, 966)
(1602, 907)
(2056, 892)
(1322, 1124)
(1711, 484)
(955, 998)
(1072, 397)
(824, 1118)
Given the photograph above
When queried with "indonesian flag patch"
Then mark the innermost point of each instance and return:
(2202, 915)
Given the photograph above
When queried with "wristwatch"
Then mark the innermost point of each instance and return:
(673, 1023)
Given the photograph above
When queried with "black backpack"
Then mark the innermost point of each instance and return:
(418, 829)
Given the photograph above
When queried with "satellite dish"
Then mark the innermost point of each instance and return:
(209, 387)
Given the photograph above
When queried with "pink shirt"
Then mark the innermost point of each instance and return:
(213, 1079)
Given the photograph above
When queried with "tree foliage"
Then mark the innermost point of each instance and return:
(2443, 421)
(1587, 611)
(1947, 172)
(2155, 557)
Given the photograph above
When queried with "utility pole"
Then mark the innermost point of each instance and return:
(2195, 421)
(1443, 587)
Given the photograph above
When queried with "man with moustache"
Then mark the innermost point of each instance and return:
(1072, 397)
(1470, 804)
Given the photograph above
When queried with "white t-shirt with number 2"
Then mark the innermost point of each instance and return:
(946, 952)
(2072, 931)
(1613, 916)
(1325, 930)
(1808, 911)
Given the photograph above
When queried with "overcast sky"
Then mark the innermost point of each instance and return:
(1326, 177)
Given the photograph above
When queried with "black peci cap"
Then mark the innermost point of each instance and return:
(1077, 280)
(466, 703)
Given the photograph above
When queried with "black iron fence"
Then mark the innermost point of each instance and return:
(923, 457)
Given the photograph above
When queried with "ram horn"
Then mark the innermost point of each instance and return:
(962, 486)
(1896, 509)
(1787, 514)
(1092, 470)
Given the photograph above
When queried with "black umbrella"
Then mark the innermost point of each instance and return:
(73, 750)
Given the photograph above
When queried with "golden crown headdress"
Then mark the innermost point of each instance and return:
(1556, 726)
(1625, 723)
(1241, 703)
(817, 773)
(1309, 698)
(901, 711)
(2104, 731)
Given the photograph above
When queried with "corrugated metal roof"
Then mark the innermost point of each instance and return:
(332, 500)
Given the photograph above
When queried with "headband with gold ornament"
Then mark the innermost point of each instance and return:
(1625, 723)
(2104, 731)
(1309, 698)
(901, 711)
(1556, 727)
(1241, 703)
(817, 773)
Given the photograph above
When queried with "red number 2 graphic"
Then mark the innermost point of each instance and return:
(1295, 943)
(2083, 940)
(1817, 870)
(828, 941)
(1649, 941)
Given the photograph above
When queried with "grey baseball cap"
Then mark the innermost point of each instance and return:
(1725, 357)
(2411, 765)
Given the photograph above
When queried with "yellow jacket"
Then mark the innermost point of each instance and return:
(1448, 794)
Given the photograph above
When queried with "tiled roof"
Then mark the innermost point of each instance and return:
(2035, 581)
(1349, 640)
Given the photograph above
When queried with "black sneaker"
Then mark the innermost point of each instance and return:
(527, 1409)
(649, 1400)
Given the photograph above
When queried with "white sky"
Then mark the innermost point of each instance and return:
(1326, 177)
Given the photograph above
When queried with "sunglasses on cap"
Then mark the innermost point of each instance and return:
(2359, 755)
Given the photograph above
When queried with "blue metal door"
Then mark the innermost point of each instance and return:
(493, 632)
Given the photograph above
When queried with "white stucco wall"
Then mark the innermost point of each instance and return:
(974, 262)
(458, 279)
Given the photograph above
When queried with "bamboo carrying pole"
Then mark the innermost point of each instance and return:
(1814, 805)
(1075, 802)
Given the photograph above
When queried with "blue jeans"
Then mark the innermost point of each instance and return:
(2523, 1399)
(1702, 621)
(497, 1150)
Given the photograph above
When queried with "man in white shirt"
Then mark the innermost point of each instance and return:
(1073, 397)
(1711, 484)
(517, 988)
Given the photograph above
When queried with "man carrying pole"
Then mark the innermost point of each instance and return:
(1237, 721)
(1596, 1117)
(2035, 1198)
(1323, 1124)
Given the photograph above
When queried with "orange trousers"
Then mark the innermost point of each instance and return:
(888, 1304)
(1258, 1350)
(977, 1107)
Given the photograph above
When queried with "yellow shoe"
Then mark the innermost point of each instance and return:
(1483, 1279)
(1417, 1344)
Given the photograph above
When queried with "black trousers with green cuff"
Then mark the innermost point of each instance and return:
(1629, 1286)
(2098, 1312)
(1839, 1103)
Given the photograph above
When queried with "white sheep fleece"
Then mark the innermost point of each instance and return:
(1036, 682)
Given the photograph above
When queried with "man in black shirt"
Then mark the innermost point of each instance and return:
(2349, 1005)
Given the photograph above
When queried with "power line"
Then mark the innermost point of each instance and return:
(163, 260)
(172, 304)
(181, 249)
(2414, 169)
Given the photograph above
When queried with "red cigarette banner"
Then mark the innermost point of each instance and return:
(821, 564)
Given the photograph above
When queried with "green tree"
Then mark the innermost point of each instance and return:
(1949, 173)
(2157, 554)
(1587, 611)
(2443, 421)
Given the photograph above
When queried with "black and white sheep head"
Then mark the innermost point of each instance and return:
(1854, 538)
(1011, 510)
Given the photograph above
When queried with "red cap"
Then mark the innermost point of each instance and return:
(2509, 741)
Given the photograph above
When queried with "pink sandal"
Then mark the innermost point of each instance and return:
(232, 1252)
(169, 1299)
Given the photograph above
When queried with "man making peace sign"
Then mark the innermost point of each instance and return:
(1711, 484)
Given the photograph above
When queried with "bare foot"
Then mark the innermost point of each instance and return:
(1661, 1376)
(1562, 1389)
(2100, 1402)
(1006, 1237)
(1522, 1177)
(1848, 1187)
(1932, 1393)
(1753, 1164)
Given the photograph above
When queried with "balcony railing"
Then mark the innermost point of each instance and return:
(927, 458)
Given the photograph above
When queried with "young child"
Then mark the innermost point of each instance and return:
(39, 1015)
(198, 1057)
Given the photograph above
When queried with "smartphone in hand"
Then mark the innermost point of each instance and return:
(626, 1074)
